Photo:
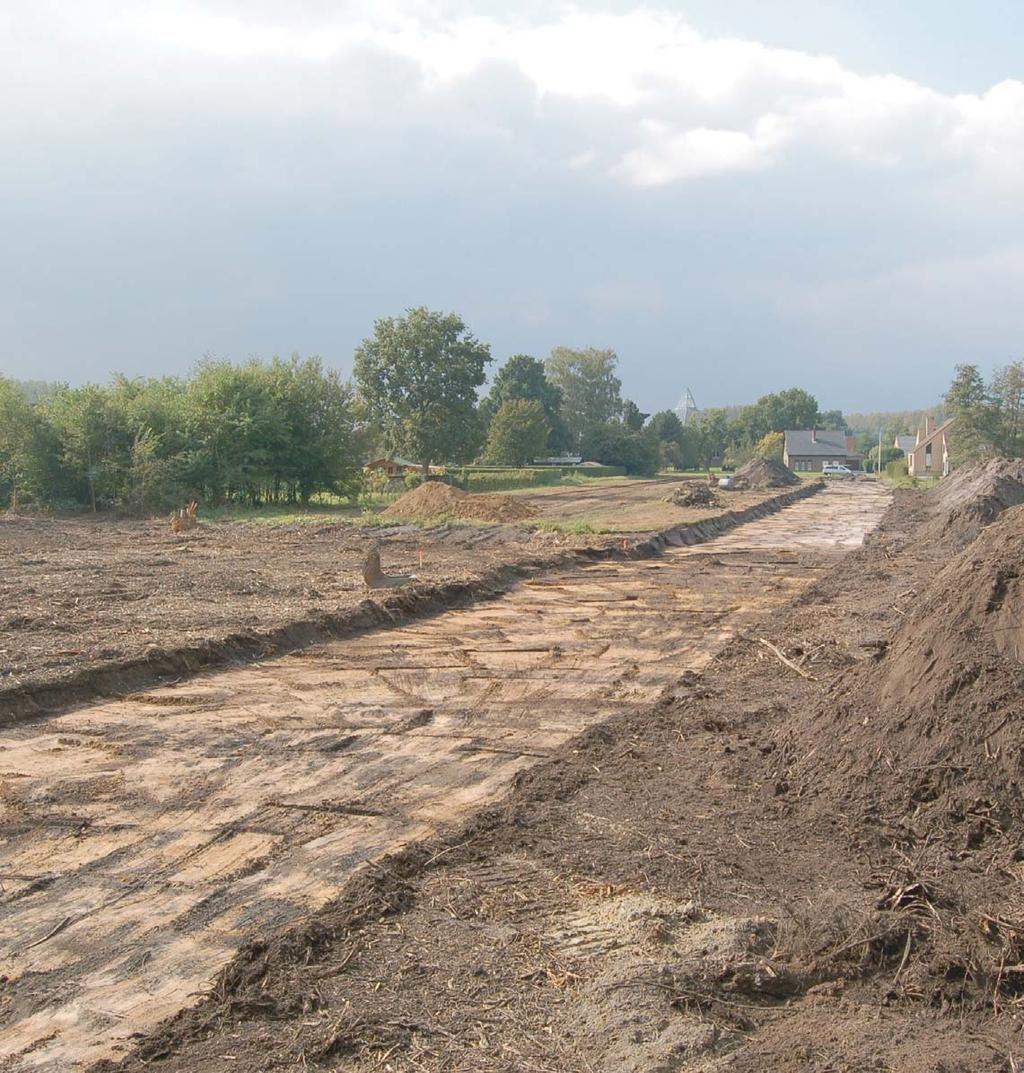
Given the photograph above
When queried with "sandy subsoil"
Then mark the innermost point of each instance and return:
(629, 505)
(78, 594)
(147, 840)
(745, 875)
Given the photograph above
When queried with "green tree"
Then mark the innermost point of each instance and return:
(712, 428)
(790, 409)
(967, 401)
(678, 443)
(523, 377)
(632, 416)
(771, 445)
(95, 443)
(19, 435)
(613, 444)
(832, 420)
(591, 392)
(1006, 396)
(316, 407)
(518, 433)
(418, 376)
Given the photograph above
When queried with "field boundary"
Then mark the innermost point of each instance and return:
(163, 667)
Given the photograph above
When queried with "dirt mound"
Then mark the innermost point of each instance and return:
(765, 473)
(936, 722)
(969, 499)
(433, 499)
(692, 494)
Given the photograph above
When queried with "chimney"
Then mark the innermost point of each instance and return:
(814, 435)
(929, 425)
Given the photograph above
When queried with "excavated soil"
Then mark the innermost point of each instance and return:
(765, 473)
(969, 499)
(434, 499)
(84, 601)
(693, 494)
(805, 856)
(248, 820)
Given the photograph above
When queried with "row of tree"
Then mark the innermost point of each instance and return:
(570, 402)
(283, 431)
(257, 432)
(989, 415)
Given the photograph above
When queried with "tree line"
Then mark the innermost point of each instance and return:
(284, 431)
(257, 432)
(989, 414)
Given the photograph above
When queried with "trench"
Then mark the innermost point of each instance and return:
(143, 840)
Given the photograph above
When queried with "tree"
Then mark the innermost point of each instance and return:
(712, 434)
(18, 435)
(591, 392)
(833, 420)
(613, 444)
(523, 377)
(632, 416)
(790, 409)
(666, 427)
(678, 443)
(418, 376)
(518, 433)
(771, 445)
(989, 418)
(1006, 394)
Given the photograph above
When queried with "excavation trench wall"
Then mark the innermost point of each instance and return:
(123, 677)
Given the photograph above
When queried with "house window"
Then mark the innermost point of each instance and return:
(928, 457)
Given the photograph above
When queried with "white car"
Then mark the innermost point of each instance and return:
(833, 469)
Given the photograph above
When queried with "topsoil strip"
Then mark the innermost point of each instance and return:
(160, 667)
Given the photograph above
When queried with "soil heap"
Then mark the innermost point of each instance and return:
(972, 497)
(434, 499)
(922, 743)
(765, 473)
(692, 494)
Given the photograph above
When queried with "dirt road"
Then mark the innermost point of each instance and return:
(145, 839)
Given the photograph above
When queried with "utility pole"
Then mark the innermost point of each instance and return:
(878, 463)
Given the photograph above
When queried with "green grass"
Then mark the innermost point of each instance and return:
(289, 515)
(907, 481)
(569, 528)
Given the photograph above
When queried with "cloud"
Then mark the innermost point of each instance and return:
(235, 176)
(676, 106)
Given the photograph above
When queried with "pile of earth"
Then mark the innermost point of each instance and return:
(692, 494)
(434, 499)
(765, 473)
(940, 708)
(921, 744)
(968, 500)
(937, 721)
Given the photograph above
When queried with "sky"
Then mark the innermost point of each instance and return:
(737, 196)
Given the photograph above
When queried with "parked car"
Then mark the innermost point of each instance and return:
(833, 469)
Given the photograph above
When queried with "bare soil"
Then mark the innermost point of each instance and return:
(629, 505)
(765, 473)
(88, 595)
(805, 856)
(434, 499)
(153, 839)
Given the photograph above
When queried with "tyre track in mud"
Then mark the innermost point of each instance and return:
(145, 839)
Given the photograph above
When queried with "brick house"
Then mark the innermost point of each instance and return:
(807, 450)
(929, 457)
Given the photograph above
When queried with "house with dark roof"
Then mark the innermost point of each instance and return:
(906, 444)
(807, 450)
(929, 457)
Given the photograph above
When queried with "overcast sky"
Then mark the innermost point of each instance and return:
(736, 195)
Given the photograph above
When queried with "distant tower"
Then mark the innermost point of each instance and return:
(686, 407)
